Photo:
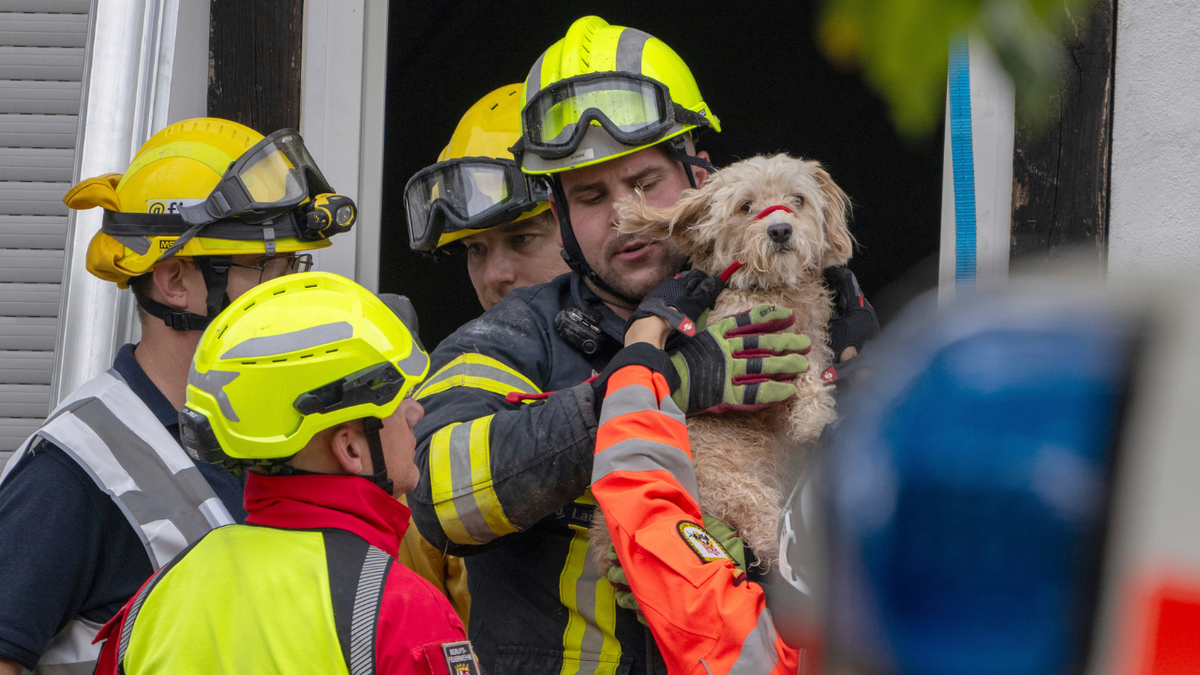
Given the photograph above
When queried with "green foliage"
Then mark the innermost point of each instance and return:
(902, 47)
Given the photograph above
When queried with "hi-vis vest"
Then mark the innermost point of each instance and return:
(107, 429)
(264, 600)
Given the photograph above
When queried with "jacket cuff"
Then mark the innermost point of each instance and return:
(639, 354)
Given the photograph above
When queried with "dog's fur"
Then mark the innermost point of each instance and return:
(741, 457)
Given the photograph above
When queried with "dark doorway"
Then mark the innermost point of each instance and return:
(759, 69)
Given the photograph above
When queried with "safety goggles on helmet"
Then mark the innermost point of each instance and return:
(273, 176)
(633, 109)
(469, 193)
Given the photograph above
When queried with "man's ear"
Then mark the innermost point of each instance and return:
(700, 173)
(171, 283)
(839, 241)
(350, 448)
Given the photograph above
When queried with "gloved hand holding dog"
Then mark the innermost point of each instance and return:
(741, 362)
(680, 300)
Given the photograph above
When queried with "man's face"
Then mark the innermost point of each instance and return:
(242, 277)
(511, 256)
(631, 265)
(400, 446)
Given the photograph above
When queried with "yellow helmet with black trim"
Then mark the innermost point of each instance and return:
(292, 357)
(603, 92)
(179, 166)
(476, 183)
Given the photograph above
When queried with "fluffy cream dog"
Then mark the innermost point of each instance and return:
(742, 457)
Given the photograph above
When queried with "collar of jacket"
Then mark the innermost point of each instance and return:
(327, 502)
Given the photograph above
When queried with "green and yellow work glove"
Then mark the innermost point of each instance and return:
(724, 534)
(742, 362)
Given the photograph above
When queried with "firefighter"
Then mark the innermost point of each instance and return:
(102, 495)
(475, 200)
(303, 384)
(506, 447)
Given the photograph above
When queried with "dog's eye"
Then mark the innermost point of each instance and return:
(799, 199)
(745, 207)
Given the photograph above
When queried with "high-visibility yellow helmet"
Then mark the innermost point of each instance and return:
(476, 184)
(178, 166)
(292, 357)
(603, 92)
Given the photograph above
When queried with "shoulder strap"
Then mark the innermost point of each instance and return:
(357, 576)
(107, 429)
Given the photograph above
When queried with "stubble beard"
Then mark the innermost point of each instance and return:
(670, 261)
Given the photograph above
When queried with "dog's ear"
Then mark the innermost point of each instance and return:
(839, 241)
(638, 217)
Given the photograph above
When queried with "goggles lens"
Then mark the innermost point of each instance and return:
(275, 175)
(631, 109)
(472, 193)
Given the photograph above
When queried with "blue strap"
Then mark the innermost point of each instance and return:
(964, 163)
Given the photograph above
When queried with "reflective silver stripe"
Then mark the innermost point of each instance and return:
(414, 364)
(81, 668)
(305, 338)
(131, 617)
(72, 650)
(533, 83)
(758, 655)
(585, 603)
(637, 398)
(213, 383)
(460, 479)
(162, 495)
(629, 50)
(366, 611)
(479, 370)
(636, 454)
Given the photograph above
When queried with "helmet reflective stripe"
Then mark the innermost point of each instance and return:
(107, 429)
(305, 338)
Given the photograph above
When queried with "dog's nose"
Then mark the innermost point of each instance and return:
(779, 232)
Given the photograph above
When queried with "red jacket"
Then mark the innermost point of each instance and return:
(705, 616)
(414, 620)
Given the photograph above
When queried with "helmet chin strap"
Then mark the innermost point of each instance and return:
(215, 271)
(571, 252)
(372, 426)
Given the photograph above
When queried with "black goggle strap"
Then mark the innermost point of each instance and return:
(571, 253)
(215, 270)
(677, 149)
(372, 427)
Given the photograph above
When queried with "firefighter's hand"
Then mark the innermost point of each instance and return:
(620, 584)
(728, 538)
(680, 300)
(741, 362)
(853, 321)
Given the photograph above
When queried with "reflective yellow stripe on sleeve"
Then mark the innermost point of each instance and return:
(590, 645)
(477, 372)
(460, 468)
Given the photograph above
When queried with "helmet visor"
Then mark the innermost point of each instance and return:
(633, 109)
(275, 175)
(470, 193)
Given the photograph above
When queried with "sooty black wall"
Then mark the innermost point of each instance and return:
(758, 67)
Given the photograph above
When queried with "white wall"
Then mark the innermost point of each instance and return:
(343, 83)
(1155, 218)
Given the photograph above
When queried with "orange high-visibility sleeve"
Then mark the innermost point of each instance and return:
(705, 616)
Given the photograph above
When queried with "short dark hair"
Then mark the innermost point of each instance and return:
(141, 285)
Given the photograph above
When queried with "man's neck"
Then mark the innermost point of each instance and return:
(618, 307)
(166, 356)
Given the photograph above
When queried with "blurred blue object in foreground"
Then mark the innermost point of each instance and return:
(966, 489)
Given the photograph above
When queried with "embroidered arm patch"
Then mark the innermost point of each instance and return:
(703, 544)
